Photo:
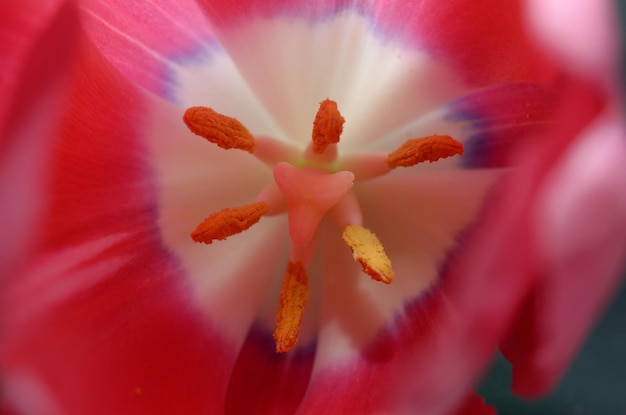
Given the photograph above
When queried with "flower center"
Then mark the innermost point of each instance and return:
(308, 188)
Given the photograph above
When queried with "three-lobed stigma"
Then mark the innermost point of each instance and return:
(308, 193)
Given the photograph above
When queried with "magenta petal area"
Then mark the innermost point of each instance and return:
(21, 25)
(98, 320)
(144, 39)
(226, 12)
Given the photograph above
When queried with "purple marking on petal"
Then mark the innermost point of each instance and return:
(499, 119)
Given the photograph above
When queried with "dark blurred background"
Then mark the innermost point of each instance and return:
(596, 381)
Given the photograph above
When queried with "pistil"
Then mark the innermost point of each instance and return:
(309, 194)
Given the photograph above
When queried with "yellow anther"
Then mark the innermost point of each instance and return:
(294, 295)
(369, 252)
(327, 127)
(227, 222)
(226, 132)
(419, 150)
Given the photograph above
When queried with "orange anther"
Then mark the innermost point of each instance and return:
(226, 132)
(419, 150)
(369, 252)
(327, 127)
(294, 295)
(227, 222)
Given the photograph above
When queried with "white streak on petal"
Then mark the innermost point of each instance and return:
(62, 275)
(119, 31)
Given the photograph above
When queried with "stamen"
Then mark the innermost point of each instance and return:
(418, 150)
(230, 221)
(327, 127)
(294, 295)
(226, 132)
(369, 252)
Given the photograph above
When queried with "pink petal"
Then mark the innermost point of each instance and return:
(146, 40)
(591, 52)
(577, 213)
(99, 320)
(580, 228)
(523, 258)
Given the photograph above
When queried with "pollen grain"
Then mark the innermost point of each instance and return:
(327, 126)
(226, 132)
(369, 252)
(419, 150)
(294, 295)
(229, 221)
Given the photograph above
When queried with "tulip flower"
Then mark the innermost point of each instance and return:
(282, 207)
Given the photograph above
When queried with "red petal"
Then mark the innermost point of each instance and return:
(126, 342)
(100, 320)
(475, 405)
(485, 40)
(23, 146)
(21, 25)
(266, 382)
